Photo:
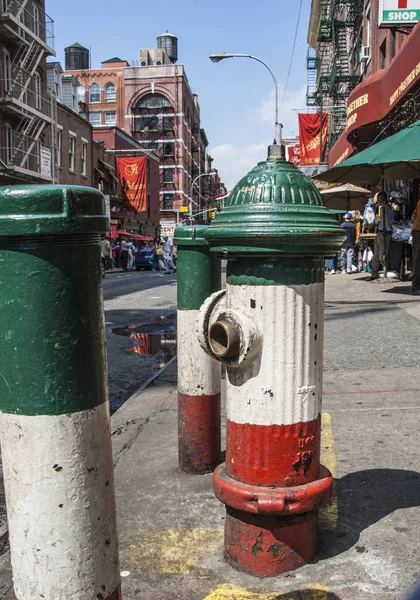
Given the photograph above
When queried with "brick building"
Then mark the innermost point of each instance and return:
(27, 109)
(73, 149)
(349, 42)
(152, 101)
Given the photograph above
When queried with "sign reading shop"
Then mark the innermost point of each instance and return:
(399, 12)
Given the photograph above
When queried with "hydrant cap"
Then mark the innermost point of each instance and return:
(51, 210)
(275, 208)
(191, 235)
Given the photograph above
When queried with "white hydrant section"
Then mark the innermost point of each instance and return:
(59, 491)
(199, 373)
(284, 385)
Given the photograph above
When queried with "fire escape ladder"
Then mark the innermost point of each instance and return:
(16, 7)
(311, 67)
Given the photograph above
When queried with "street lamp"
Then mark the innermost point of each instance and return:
(218, 57)
(192, 191)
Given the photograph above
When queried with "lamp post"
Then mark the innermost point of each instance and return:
(278, 127)
(192, 190)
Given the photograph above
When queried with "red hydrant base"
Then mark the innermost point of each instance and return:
(266, 546)
(199, 432)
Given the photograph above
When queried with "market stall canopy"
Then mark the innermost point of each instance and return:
(345, 197)
(397, 157)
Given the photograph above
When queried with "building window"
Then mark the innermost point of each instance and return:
(154, 101)
(110, 92)
(168, 149)
(168, 175)
(59, 149)
(84, 158)
(7, 67)
(110, 118)
(35, 15)
(168, 123)
(38, 90)
(81, 94)
(168, 202)
(95, 119)
(3, 5)
(393, 43)
(148, 206)
(72, 148)
(9, 143)
(382, 55)
(94, 93)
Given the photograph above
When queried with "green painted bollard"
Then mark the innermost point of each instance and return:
(54, 409)
(198, 374)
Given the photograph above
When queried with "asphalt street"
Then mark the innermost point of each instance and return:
(146, 302)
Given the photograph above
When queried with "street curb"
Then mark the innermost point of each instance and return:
(128, 421)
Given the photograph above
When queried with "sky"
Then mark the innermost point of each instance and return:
(236, 96)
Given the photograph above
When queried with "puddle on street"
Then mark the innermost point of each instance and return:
(157, 339)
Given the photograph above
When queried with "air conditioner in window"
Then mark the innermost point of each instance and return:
(365, 53)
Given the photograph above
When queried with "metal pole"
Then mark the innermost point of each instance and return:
(192, 190)
(320, 131)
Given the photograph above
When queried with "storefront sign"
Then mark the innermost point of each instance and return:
(132, 176)
(399, 12)
(309, 135)
(167, 227)
(293, 154)
(45, 161)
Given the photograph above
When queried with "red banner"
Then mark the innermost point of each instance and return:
(309, 134)
(293, 153)
(132, 176)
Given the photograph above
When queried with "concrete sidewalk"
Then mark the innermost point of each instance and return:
(171, 525)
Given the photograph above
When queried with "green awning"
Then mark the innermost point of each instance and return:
(397, 157)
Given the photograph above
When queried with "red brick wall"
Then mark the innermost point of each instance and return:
(70, 121)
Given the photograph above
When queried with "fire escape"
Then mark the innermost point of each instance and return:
(29, 109)
(329, 76)
(342, 81)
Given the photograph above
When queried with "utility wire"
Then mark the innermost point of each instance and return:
(293, 52)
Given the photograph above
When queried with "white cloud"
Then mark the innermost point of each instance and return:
(234, 161)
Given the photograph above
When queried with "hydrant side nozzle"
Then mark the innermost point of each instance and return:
(225, 339)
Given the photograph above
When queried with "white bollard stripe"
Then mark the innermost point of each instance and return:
(284, 386)
(59, 479)
(199, 374)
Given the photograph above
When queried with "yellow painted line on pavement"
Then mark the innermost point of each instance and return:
(328, 514)
(174, 551)
(232, 592)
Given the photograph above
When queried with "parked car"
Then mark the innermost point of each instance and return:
(144, 259)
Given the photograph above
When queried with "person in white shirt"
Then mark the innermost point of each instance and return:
(168, 255)
(124, 254)
(131, 253)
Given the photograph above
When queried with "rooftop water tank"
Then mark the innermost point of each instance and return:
(76, 58)
(169, 43)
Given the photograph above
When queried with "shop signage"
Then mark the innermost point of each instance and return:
(132, 176)
(309, 135)
(45, 161)
(293, 154)
(167, 227)
(399, 12)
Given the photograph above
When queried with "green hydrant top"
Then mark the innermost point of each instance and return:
(51, 210)
(275, 208)
(192, 235)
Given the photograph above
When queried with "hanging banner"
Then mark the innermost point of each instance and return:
(309, 134)
(293, 154)
(132, 176)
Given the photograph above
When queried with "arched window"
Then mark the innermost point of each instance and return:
(94, 93)
(153, 101)
(110, 92)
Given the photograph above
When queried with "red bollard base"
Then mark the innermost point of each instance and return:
(267, 545)
(199, 433)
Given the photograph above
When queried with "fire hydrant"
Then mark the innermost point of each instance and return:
(267, 327)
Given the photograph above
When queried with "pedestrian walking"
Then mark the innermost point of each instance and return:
(131, 254)
(347, 249)
(384, 219)
(106, 252)
(415, 233)
(124, 254)
(158, 253)
(168, 254)
(117, 250)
